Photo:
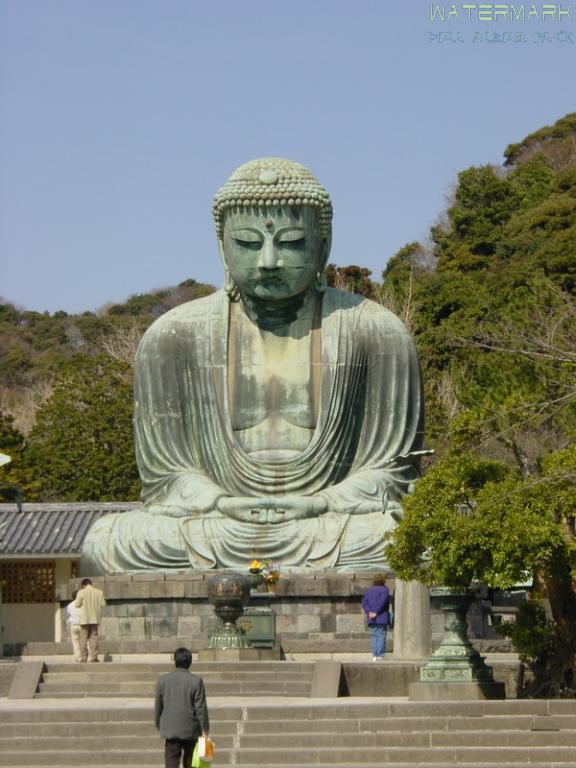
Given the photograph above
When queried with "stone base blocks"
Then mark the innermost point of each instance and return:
(313, 611)
(488, 734)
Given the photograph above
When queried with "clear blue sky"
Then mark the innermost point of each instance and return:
(121, 118)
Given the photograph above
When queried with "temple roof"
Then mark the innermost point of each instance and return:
(51, 530)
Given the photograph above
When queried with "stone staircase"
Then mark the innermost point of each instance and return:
(401, 734)
(132, 680)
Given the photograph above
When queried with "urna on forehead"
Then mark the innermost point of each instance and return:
(273, 182)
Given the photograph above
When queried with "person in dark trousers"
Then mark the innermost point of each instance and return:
(180, 711)
(376, 606)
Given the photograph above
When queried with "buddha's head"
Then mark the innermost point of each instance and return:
(274, 226)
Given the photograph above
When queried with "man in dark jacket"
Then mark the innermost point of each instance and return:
(180, 711)
(376, 606)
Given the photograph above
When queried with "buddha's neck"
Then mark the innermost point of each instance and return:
(280, 317)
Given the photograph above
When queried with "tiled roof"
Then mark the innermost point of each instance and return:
(51, 529)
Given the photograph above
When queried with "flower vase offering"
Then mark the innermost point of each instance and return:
(264, 574)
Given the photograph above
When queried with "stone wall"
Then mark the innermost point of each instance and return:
(314, 612)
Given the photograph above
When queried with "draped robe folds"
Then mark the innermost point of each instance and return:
(363, 455)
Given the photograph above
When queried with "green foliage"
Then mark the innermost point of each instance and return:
(15, 364)
(554, 141)
(483, 202)
(532, 182)
(11, 441)
(139, 304)
(82, 446)
(14, 477)
(475, 519)
(407, 265)
(351, 278)
(37, 345)
(532, 634)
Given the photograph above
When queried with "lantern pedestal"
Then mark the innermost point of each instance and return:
(455, 670)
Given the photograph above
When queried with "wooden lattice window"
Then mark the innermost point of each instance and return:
(30, 581)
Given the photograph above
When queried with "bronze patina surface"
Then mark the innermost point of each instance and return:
(277, 418)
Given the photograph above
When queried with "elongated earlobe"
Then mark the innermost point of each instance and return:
(230, 286)
(320, 283)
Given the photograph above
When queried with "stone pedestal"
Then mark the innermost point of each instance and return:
(455, 670)
(412, 633)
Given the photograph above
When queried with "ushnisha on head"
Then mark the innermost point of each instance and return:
(272, 216)
(272, 182)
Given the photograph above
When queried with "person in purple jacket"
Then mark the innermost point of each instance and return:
(376, 606)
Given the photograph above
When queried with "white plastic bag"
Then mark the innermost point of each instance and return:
(206, 748)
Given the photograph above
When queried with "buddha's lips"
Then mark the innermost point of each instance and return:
(271, 280)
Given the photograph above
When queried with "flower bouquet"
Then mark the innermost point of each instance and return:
(264, 572)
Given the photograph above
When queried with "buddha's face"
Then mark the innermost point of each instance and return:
(273, 253)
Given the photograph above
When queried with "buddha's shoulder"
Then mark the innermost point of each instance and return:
(190, 314)
(365, 314)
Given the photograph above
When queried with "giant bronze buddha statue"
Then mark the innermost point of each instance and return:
(277, 418)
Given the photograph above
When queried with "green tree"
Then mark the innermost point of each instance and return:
(15, 480)
(351, 278)
(472, 519)
(82, 446)
(495, 326)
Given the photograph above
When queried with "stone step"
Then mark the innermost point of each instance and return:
(146, 690)
(105, 716)
(107, 729)
(139, 680)
(360, 755)
(518, 723)
(64, 696)
(413, 756)
(429, 739)
(313, 741)
(81, 742)
(507, 734)
(518, 726)
(496, 764)
(146, 676)
(346, 709)
(379, 764)
(198, 667)
(350, 708)
(78, 757)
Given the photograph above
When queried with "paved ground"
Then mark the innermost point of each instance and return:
(86, 702)
(350, 658)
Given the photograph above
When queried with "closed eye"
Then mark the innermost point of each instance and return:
(253, 245)
(298, 243)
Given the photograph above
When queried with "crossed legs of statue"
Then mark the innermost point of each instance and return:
(89, 642)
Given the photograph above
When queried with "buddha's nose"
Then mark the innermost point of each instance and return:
(269, 256)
